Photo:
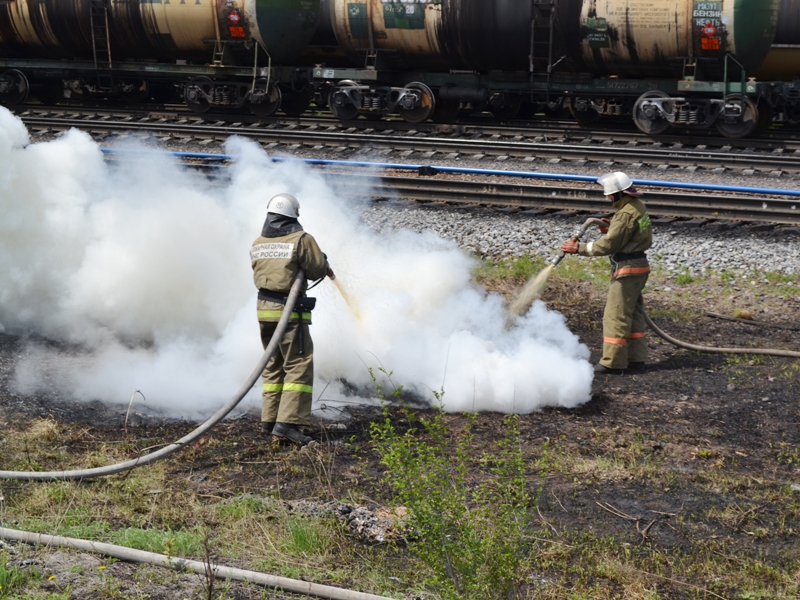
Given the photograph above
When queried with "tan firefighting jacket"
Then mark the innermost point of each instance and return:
(630, 231)
(275, 261)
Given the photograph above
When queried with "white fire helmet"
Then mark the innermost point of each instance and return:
(617, 182)
(284, 204)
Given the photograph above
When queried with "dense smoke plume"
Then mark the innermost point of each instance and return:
(141, 272)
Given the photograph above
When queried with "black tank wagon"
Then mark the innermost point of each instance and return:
(664, 62)
(224, 53)
(729, 64)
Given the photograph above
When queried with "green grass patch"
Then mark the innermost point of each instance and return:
(518, 269)
(775, 277)
(242, 506)
(683, 277)
(172, 543)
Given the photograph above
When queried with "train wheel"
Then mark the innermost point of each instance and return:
(136, 93)
(647, 115)
(340, 104)
(294, 103)
(423, 110)
(554, 108)
(270, 100)
(506, 108)
(194, 99)
(742, 127)
(14, 88)
(585, 116)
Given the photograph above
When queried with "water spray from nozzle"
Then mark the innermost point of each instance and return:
(536, 284)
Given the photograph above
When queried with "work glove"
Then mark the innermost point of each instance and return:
(570, 247)
(604, 229)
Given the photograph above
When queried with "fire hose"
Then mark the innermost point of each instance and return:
(184, 564)
(665, 336)
(271, 348)
(140, 556)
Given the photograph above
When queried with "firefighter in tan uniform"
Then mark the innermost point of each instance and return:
(627, 237)
(277, 253)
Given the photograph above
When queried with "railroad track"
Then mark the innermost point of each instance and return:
(784, 139)
(666, 207)
(445, 144)
(702, 209)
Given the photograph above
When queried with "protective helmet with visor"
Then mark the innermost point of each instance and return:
(614, 183)
(284, 204)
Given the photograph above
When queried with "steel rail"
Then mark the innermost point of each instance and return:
(712, 203)
(712, 207)
(551, 129)
(453, 146)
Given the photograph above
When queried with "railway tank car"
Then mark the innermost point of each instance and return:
(76, 48)
(666, 62)
(783, 60)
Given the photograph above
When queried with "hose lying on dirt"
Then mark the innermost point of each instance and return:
(676, 342)
(294, 293)
(184, 564)
(659, 332)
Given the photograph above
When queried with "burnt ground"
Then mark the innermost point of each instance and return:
(681, 482)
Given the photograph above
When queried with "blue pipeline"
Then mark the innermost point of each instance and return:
(468, 171)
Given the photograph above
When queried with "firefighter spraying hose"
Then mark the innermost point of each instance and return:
(660, 332)
(626, 238)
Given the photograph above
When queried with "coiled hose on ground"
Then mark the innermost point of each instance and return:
(676, 342)
(294, 293)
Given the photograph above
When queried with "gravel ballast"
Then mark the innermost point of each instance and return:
(493, 235)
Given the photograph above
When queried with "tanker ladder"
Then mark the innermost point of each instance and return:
(101, 44)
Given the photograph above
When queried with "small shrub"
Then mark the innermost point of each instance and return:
(473, 539)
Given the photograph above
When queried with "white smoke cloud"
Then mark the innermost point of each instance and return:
(142, 270)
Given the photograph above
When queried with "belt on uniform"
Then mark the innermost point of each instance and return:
(304, 304)
(620, 256)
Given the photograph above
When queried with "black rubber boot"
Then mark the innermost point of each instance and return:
(291, 432)
(266, 427)
(602, 370)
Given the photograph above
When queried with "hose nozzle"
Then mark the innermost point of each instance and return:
(558, 258)
(588, 223)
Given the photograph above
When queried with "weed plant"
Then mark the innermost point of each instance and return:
(13, 579)
(474, 538)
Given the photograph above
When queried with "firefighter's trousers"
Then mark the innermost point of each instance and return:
(288, 377)
(623, 323)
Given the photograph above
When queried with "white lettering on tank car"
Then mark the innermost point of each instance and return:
(271, 251)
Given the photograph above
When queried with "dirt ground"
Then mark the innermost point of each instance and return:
(686, 474)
